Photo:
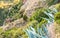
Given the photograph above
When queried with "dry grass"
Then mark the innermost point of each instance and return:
(7, 4)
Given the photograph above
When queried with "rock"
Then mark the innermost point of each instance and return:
(30, 6)
(24, 1)
(17, 23)
(53, 30)
(58, 1)
(57, 30)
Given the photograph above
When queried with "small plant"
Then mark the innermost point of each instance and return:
(57, 17)
(38, 15)
(13, 33)
(57, 6)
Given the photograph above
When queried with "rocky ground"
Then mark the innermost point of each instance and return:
(27, 9)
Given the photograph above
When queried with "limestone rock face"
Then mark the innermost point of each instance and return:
(30, 6)
(53, 30)
(17, 23)
(57, 30)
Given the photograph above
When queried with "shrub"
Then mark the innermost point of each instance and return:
(38, 15)
(57, 6)
(57, 17)
(12, 12)
(14, 33)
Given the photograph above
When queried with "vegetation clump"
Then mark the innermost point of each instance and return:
(33, 27)
(57, 17)
(39, 15)
(57, 6)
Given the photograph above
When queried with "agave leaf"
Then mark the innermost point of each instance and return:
(42, 32)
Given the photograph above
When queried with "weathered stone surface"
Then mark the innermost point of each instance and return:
(57, 30)
(17, 23)
(31, 5)
(53, 30)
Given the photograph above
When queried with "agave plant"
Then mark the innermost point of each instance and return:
(41, 30)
